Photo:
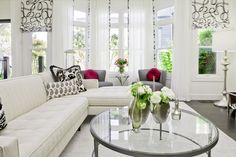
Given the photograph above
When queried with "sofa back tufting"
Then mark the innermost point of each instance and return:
(21, 95)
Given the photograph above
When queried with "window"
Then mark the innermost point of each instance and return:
(207, 58)
(5, 49)
(79, 38)
(118, 38)
(164, 38)
(79, 45)
(39, 41)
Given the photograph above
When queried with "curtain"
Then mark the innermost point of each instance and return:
(99, 57)
(21, 43)
(140, 37)
(181, 78)
(62, 32)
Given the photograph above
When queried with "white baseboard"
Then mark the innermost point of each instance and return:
(206, 96)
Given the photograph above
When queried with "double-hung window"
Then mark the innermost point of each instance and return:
(206, 58)
(164, 38)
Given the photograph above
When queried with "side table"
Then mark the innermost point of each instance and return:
(122, 78)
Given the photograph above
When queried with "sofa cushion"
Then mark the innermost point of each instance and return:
(108, 96)
(41, 129)
(90, 74)
(59, 89)
(104, 84)
(153, 73)
(21, 95)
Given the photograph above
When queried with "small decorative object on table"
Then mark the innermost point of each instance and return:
(121, 63)
(176, 114)
(160, 107)
(139, 107)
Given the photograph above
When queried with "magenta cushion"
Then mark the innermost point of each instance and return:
(90, 74)
(154, 72)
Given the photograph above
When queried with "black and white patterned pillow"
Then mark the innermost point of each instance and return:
(60, 74)
(60, 89)
(3, 122)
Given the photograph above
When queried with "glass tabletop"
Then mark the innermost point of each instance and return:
(189, 136)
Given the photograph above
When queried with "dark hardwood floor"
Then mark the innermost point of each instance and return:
(217, 115)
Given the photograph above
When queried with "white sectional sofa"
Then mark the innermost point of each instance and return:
(40, 128)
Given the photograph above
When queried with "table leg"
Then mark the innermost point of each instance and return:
(160, 131)
(95, 148)
(209, 153)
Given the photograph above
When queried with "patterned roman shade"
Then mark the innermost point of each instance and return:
(36, 15)
(210, 14)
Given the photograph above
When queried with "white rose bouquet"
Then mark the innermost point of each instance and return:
(143, 94)
(162, 97)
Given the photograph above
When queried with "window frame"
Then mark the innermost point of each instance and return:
(196, 77)
(160, 23)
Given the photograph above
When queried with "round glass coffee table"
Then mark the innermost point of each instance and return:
(190, 136)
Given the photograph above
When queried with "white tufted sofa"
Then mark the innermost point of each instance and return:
(40, 128)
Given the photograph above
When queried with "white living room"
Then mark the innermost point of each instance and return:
(120, 78)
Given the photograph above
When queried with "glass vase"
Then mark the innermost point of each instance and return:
(121, 69)
(160, 112)
(138, 116)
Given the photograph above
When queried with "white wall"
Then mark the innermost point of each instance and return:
(4, 9)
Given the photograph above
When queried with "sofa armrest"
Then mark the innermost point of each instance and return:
(9, 147)
(90, 83)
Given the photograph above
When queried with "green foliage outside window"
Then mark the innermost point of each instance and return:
(205, 37)
(79, 38)
(207, 61)
(166, 60)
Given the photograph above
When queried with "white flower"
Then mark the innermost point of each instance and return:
(140, 83)
(168, 92)
(156, 97)
(141, 90)
(148, 89)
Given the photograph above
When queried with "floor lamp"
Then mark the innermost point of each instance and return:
(224, 41)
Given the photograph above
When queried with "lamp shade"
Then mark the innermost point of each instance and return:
(70, 51)
(224, 40)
